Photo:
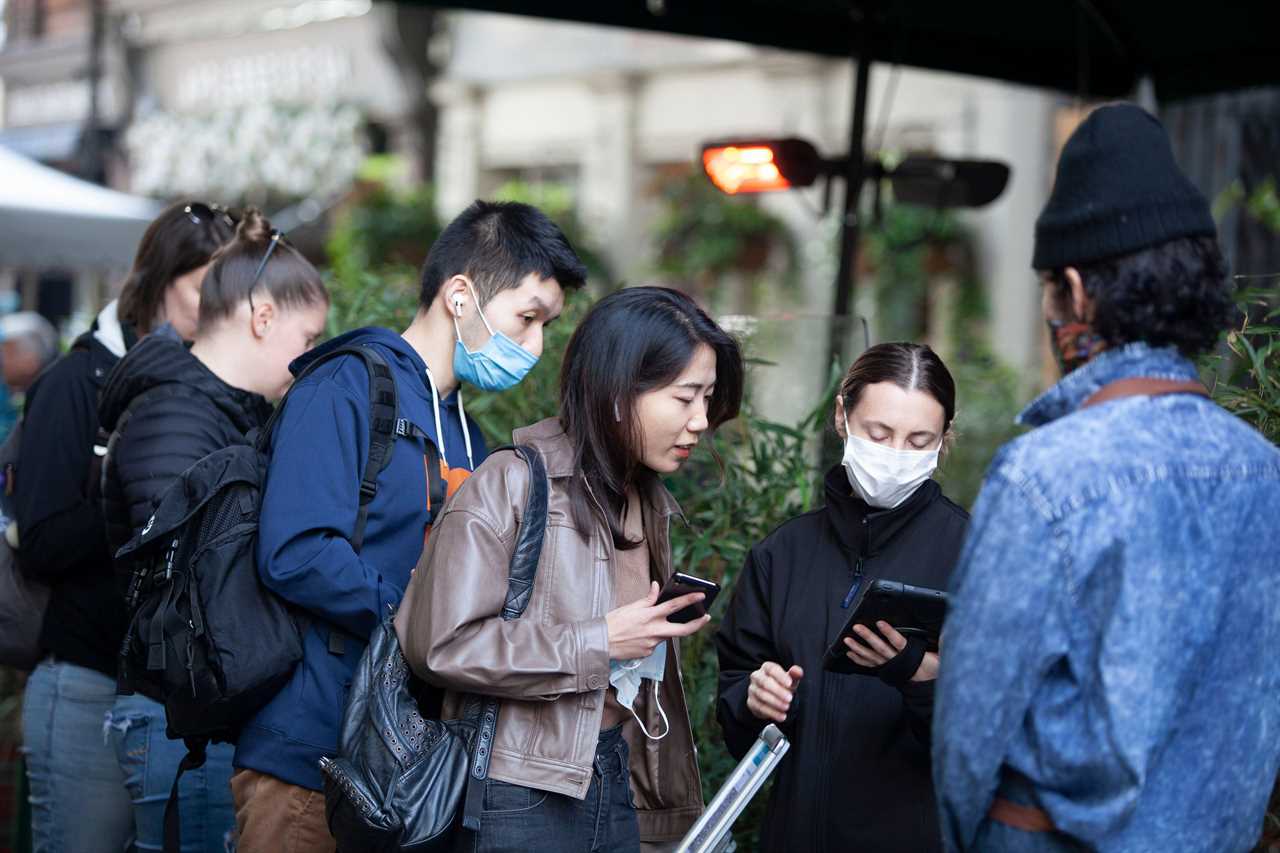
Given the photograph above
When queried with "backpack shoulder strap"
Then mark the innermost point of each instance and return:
(384, 425)
(383, 418)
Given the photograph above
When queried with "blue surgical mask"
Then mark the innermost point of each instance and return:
(498, 365)
(627, 676)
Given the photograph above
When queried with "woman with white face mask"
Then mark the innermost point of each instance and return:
(858, 775)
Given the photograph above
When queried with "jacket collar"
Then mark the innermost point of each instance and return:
(1131, 360)
(548, 438)
(863, 529)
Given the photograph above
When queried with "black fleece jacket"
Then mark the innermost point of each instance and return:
(56, 501)
(857, 777)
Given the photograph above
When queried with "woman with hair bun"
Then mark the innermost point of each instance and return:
(858, 774)
(262, 305)
(78, 799)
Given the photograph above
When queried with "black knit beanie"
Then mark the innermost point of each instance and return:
(1117, 190)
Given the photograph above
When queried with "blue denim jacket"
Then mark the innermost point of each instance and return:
(1112, 654)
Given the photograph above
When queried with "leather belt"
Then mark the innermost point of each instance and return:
(1018, 816)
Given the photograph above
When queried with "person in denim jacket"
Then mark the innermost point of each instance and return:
(1109, 678)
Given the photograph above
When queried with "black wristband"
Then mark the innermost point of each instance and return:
(899, 670)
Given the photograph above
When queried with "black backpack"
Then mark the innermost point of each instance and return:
(404, 781)
(205, 636)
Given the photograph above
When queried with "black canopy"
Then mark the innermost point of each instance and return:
(1098, 48)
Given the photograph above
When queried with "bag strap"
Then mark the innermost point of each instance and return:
(522, 569)
(384, 427)
(1144, 386)
(195, 758)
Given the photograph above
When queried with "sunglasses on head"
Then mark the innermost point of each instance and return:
(199, 213)
(276, 237)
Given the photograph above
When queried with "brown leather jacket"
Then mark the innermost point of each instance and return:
(551, 666)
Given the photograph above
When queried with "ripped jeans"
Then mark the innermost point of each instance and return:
(150, 761)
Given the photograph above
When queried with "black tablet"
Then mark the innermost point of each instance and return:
(912, 610)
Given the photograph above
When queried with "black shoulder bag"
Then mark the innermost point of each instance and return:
(404, 782)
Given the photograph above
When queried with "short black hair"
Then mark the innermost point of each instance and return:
(1176, 293)
(496, 244)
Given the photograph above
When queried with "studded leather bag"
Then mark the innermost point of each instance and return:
(404, 781)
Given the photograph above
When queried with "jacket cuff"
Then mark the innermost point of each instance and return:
(900, 668)
(593, 655)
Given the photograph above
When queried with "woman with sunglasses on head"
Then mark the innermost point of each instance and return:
(858, 775)
(79, 803)
(593, 749)
(167, 406)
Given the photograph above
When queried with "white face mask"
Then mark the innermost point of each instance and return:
(882, 476)
(627, 676)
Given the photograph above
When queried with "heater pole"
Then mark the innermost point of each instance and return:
(855, 174)
(855, 168)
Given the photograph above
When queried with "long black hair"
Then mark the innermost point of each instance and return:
(182, 238)
(632, 342)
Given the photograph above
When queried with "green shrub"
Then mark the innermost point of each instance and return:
(1250, 373)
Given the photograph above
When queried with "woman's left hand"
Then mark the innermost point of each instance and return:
(878, 649)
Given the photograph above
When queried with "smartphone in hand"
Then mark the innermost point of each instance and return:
(681, 584)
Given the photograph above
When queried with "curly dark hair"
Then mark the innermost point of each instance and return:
(1177, 293)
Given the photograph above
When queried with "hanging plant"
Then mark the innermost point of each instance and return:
(266, 154)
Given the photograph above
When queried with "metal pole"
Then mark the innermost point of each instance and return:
(855, 173)
(847, 274)
(91, 159)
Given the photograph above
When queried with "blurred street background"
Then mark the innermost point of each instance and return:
(360, 127)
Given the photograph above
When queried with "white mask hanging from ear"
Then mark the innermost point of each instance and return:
(882, 476)
(627, 676)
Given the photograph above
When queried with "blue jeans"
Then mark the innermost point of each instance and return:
(78, 799)
(517, 819)
(149, 761)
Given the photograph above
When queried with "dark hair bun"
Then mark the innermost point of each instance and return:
(253, 227)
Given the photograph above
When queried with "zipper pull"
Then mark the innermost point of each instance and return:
(169, 559)
(853, 590)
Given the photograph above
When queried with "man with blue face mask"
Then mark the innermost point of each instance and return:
(491, 283)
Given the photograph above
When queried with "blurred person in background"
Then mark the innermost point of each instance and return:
(28, 344)
(857, 776)
(79, 800)
(1109, 676)
(261, 306)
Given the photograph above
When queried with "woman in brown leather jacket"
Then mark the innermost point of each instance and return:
(593, 750)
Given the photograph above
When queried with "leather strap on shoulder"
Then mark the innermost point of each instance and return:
(1144, 386)
(522, 569)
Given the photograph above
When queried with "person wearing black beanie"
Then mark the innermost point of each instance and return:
(1104, 683)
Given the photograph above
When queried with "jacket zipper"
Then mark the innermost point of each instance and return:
(853, 590)
(827, 712)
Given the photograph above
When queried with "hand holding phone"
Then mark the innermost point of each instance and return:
(636, 629)
(681, 584)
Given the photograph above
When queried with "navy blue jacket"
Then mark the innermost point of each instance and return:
(318, 453)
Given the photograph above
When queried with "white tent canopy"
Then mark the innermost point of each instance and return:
(50, 219)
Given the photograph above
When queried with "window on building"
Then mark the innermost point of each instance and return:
(22, 20)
